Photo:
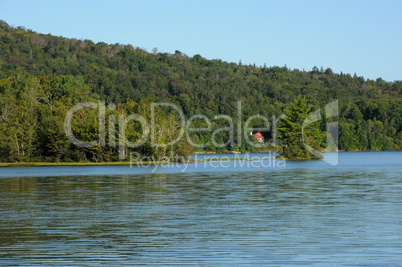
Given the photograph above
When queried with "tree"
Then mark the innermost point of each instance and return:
(299, 132)
(43, 76)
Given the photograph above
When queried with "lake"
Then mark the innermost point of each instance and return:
(210, 213)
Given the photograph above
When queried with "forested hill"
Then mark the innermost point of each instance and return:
(370, 113)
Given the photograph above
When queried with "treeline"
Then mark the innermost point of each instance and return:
(33, 115)
(43, 76)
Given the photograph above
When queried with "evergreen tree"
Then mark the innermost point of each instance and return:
(299, 132)
(43, 76)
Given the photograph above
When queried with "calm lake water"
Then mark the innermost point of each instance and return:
(206, 213)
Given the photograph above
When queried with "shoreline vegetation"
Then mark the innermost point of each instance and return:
(43, 77)
(146, 163)
(123, 163)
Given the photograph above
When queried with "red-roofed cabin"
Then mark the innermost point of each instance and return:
(259, 137)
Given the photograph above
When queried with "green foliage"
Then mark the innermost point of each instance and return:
(298, 131)
(43, 76)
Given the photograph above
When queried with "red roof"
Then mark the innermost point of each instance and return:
(258, 135)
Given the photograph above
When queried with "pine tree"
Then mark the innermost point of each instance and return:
(298, 135)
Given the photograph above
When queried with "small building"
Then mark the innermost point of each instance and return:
(259, 137)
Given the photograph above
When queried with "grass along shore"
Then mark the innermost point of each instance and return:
(44, 164)
(118, 163)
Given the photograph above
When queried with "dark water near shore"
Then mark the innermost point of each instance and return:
(272, 213)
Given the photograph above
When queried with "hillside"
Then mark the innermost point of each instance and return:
(45, 75)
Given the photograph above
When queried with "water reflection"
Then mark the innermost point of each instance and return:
(326, 216)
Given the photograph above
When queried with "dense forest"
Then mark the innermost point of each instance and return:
(43, 76)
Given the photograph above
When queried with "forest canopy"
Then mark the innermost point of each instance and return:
(43, 76)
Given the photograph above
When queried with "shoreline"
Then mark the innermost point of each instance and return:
(116, 163)
(50, 164)
(127, 163)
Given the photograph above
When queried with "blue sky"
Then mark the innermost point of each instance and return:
(362, 37)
